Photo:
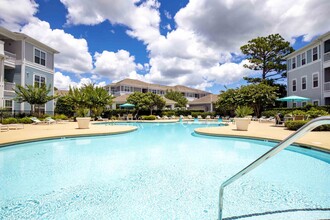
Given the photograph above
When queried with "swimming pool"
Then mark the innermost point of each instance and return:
(160, 171)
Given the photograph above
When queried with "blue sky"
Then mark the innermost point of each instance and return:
(189, 42)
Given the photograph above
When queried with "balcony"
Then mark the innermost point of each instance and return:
(326, 57)
(10, 59)
(327, 86)
(9, 86)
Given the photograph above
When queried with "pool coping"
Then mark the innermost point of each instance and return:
(132, 129)
(297, 144)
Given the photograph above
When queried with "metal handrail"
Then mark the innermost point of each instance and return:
(272, 152)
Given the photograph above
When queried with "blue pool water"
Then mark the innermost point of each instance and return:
(160, 171)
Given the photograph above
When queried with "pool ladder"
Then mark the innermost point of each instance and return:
(272, 152)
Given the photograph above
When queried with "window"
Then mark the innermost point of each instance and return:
(316, 102)
(294, 104)
(314, 53)
(40, 57)
(289, 64)
(315, 80)
(294, 85)
(309, 56)
(298, 60)
(303, 59)
(327, 46)
(127, 89)
(9, 105)
(39, 81)
(303, 104)
(293, 63)
(40, 108)
(303, 82)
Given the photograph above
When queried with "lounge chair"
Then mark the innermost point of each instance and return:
(130, 117)
(208, 117)
(49, 120)
(190, 117)
(165, 117)
(278, 120)
(16, 126)
(199, 117)
(99, 118)
(4, 127)
(158, 117)
(173, 117)
(36, 121)
(298, 117)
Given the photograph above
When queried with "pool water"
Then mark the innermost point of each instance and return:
(160, 171)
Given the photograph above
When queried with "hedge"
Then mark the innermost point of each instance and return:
(295, 125)
(9, 120)
(148, 117)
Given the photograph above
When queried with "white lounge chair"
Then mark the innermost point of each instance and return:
(36, 121)
(4, 127)
(16, 126)
(49, 120)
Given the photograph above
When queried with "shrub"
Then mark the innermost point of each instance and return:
(148, 117)
(295, 125)
(9, 120)
(298, 112)
(60, 117)
(314, 113)
(25, 120)
(242, 111)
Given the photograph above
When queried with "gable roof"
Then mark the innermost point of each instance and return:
(211, 98)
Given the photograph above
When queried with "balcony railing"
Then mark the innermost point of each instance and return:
(10, 56)
(326, 57)
(327, 86)
(9, 86)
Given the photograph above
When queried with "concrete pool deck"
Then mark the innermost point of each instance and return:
(68, 129)
(257, 130)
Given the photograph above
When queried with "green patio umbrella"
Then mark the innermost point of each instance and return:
(127, 105)
(293, 98)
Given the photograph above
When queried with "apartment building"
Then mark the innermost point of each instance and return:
(128, 86)
(24, 61)
(309, 72)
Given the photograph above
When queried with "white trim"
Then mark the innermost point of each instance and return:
(301, 85)
(41, 51)
(294, 79)
(39, 67)
(318, 80)
(40, 75)
(316, 100)
(307, 64)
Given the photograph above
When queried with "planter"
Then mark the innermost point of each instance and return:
(242, 124)
(83, 123)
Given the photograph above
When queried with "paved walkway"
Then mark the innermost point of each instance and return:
(269, 131)
(256, 130)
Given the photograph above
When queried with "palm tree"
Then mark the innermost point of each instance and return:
(35, 96)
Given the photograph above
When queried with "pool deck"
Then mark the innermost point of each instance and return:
(257, 130)
(316, 139)
(59, 130)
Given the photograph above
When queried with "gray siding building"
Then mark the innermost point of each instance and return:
(24, 61)
(309, 72)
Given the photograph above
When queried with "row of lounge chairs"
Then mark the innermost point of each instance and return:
(8, 127)
(47, 120)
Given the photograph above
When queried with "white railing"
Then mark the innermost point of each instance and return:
(327, 86)
(9, 86)
(326, 57)
(272, 152)
(10, 56)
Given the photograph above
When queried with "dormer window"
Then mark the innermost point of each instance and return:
(39, 57)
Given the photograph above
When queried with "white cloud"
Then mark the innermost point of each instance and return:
(167, 14)
(15, 13)
(63, 82)
(115, 66)
(142, 20)
(73, 57)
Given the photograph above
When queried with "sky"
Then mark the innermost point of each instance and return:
(188, 42)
